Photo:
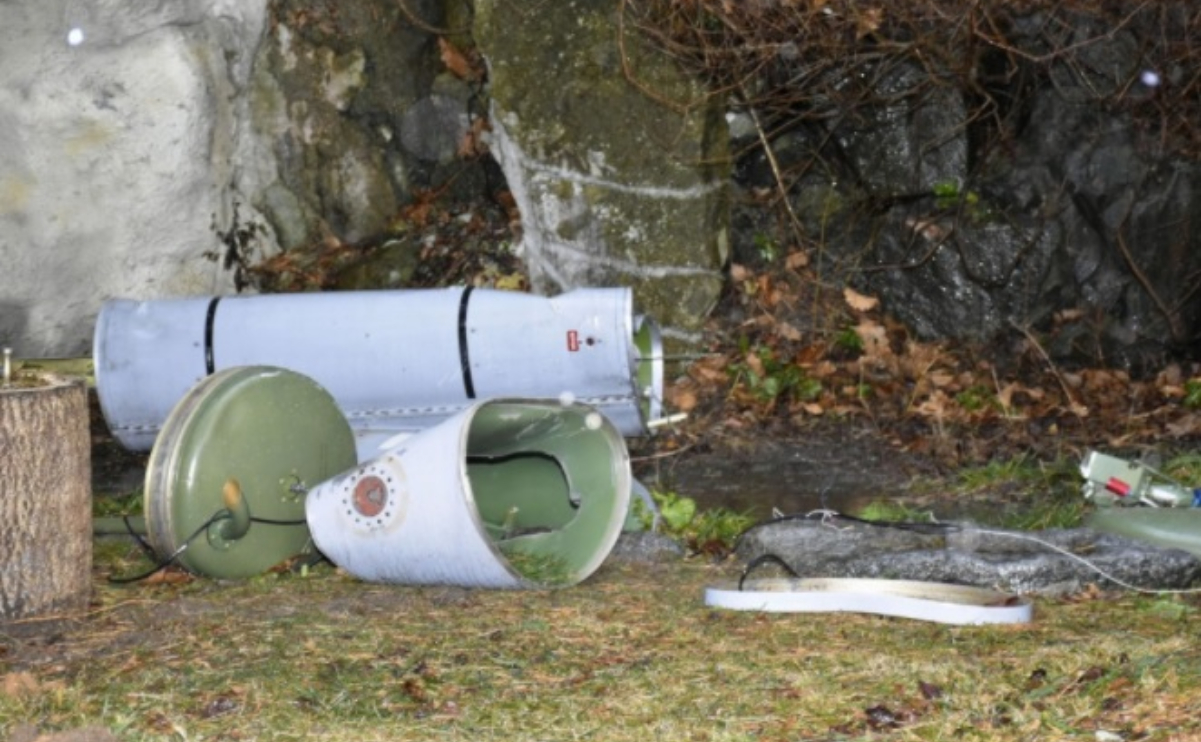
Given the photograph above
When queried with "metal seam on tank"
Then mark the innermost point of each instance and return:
(418, 411)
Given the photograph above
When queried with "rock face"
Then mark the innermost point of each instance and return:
(614, 186)
(966, 555)
(157, 149)
(115, 123)
(1063, 222)
(164, 148)
(350, 111)
(1070, 211)
(151, 150)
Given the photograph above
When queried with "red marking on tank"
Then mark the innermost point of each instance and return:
(370, 496)
(573, 341)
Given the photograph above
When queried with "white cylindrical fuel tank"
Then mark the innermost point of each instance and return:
(504, 494)
(393, 360)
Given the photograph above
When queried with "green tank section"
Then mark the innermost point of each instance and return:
(1174, 528)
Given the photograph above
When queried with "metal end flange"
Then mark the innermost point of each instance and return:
(246, 442)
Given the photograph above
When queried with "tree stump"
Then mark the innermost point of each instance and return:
(45, 497)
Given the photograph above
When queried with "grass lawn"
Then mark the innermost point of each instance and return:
(631, 654)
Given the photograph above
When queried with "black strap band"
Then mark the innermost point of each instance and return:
(464, 356)
(209, 319)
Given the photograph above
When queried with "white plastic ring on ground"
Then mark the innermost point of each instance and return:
(924, 601)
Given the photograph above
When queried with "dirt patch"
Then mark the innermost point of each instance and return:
(30, 733)
(834, 465)
(115, 470)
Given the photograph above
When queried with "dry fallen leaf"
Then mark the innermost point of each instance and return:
(168, 577)
(859, 302)
(472, 144)
(733, 423)
(796, 260)
(874, 338)
(1067, 315)
(1187, 425)
(1102, 378)
(19, 683)
(1005, 395)
(929, 229)
(15, 684)
(823, 369)
(1171, 392)
(868, 21)
(683, 400)
(1005, 398)
(941, 378)
(788, 332)
(511, 282)
(1172, 376)
(455, 61)
(935, 405)
(767, 294)
(754, 363)
(711, 369)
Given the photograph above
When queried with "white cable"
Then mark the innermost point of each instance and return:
(1087, 563)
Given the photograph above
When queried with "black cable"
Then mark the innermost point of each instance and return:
(761, 560)
(219, 515)
(146, 547)
(270, 522)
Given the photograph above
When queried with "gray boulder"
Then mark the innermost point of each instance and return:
(350, 112)
(1051, 562)
(1064, 203)
(150, 150)
(645, 547)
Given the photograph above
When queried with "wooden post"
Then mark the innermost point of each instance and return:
(45, 497)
